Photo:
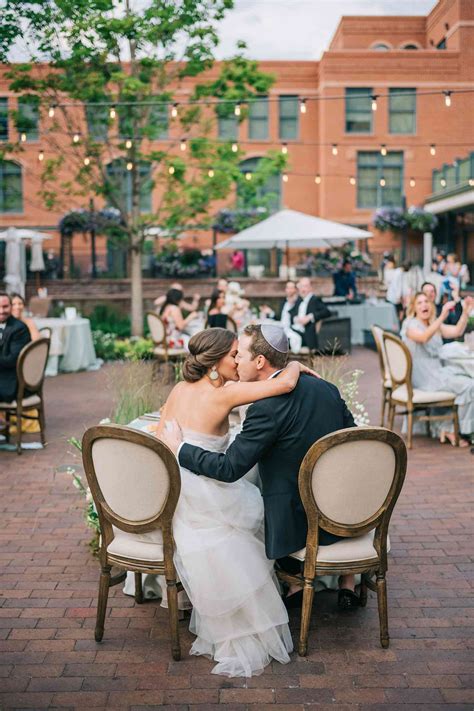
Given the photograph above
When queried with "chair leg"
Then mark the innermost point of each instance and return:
(104, 585)
(19, 413)
(456, 425)
(384, 404)
(172, 592)
(42, 422)
(391, 416)
(138, 589)
(383, 612)
(363, 591)
(410, 428)
(308, 594)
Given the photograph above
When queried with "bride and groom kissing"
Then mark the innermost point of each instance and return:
(227, 533)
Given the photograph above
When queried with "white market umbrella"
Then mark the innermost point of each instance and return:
(36, 238)
(289, 228)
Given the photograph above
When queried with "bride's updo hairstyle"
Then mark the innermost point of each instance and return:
(206, 348)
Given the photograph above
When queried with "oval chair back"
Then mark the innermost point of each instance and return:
(157, 328)
(31, 366)
(46, 332)
(399, 362)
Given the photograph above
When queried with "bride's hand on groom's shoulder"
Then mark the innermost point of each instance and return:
(172, 435)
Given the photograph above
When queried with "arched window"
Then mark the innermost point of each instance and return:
(268, 195)
(119, 180)
(11, 191)
(410, 45)
(381, 47)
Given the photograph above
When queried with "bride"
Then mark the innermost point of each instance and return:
(238, 616)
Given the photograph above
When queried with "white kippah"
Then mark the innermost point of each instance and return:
(275, 336)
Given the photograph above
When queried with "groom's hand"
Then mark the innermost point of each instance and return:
(172, 435)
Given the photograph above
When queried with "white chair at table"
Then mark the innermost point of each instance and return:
(30, 369)
(349, 482)
(161, 350)
(413, 400)
(135, 484)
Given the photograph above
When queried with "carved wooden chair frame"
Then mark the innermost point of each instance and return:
(411, 409)
(379, 521)
(386, 389)
(162, 520)
(167, 356)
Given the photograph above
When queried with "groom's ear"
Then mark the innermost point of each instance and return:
(260, 362)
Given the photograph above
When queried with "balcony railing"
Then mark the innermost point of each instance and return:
(454, 175)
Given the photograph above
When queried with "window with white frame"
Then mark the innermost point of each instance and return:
(379, 179)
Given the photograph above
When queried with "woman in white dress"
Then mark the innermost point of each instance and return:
(238, 616)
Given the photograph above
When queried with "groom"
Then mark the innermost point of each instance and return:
(276, 434)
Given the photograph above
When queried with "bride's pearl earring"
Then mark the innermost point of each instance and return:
(214, 375)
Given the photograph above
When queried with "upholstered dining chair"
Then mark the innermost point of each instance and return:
(412, 400)
(46, 332)
(349, 482)
(161, 349)
(29, 403)
(377, 333)
(135, 484)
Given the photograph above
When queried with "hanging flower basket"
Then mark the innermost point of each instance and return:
(421, 220)
(86, 220)
(229, 221)
(390, 219)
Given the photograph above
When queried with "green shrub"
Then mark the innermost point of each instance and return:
(108, 319)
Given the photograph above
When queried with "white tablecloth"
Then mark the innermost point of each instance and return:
(459, 356)
(364, 316)
(71, 348)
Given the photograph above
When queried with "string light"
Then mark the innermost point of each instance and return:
(412, 182)
(443, 182)
(237, 109)
(51, 112)
(248, 176)
(23, 137)
(174, 111)
(303, 106)
(112, 112)
(284, 148)
(352, 180)
(171, 170)
(87, 160)
(76, 138)
(447, 98)
(382, 182)
(334, 149)
(129, 165)
(383, 149)
(284, 177)
(374, 102)
(317, 179)
(210, 173)
(471, 182)
(128, 143)
(235, 148)
(433, 149)
(182, 145)
(41, 155)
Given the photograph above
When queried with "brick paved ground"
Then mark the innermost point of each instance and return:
(48, 585)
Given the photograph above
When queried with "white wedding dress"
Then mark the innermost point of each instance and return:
(238, 616)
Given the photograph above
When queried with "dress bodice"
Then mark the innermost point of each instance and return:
(213, 443)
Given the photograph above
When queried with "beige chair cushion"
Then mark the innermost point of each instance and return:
(351, 550)
(31, 401)
(141, 546)
(422, 396)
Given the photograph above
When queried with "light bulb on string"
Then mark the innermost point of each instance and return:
(382, 182)
(210, 173)
(76, 138)
(412, 182)
(128, 143)
(447, 98)
(237, 109)
(248, 176)
(352, 180)
(334, 149)
(383, 149)
(174, 111)
(303, 106)
(23, 137)
(41, 155)
(284, 148)
(183, 144)
(443, 182)
(112, 112)
(51, 111)
(471, 182)
(129, 165)
(87, 160)
(374, 102)
(433, 149)
(317, 179)
(284, 177)
(235, 148)
(171, 170)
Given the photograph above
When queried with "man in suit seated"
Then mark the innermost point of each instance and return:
(311, 309)
(14, 335)
(286, 313)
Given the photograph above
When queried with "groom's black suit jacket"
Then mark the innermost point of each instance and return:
(276, 434)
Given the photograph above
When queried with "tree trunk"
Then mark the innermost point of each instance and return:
(136, 289)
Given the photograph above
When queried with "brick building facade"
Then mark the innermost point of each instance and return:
(344, 157)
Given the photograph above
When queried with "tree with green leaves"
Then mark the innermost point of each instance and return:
(106, 78)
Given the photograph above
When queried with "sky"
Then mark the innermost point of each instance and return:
(299, 29)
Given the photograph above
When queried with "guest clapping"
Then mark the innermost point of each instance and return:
(423, 333)
(429, 290)
(18, 311)
(175, 322)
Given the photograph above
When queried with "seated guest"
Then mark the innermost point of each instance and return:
(14, 335)
(216, 318)
(174, 320)
(345, 281)
(311, 310)
(423, 333)
(429, 290)
(184, 305)
(286, 314)
(18, 309)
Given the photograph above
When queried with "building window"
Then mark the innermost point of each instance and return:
(402, 110)
(97, 118)
(374, 168)
(149, 121)
(268, 194)
(358, 110)
(288, 117)
(3, 118)
(409, 45)
(11, 193)
(380, 47)
(258, 119)
(228, 124)
(119, 181)
(27, 117)
(441, 44)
